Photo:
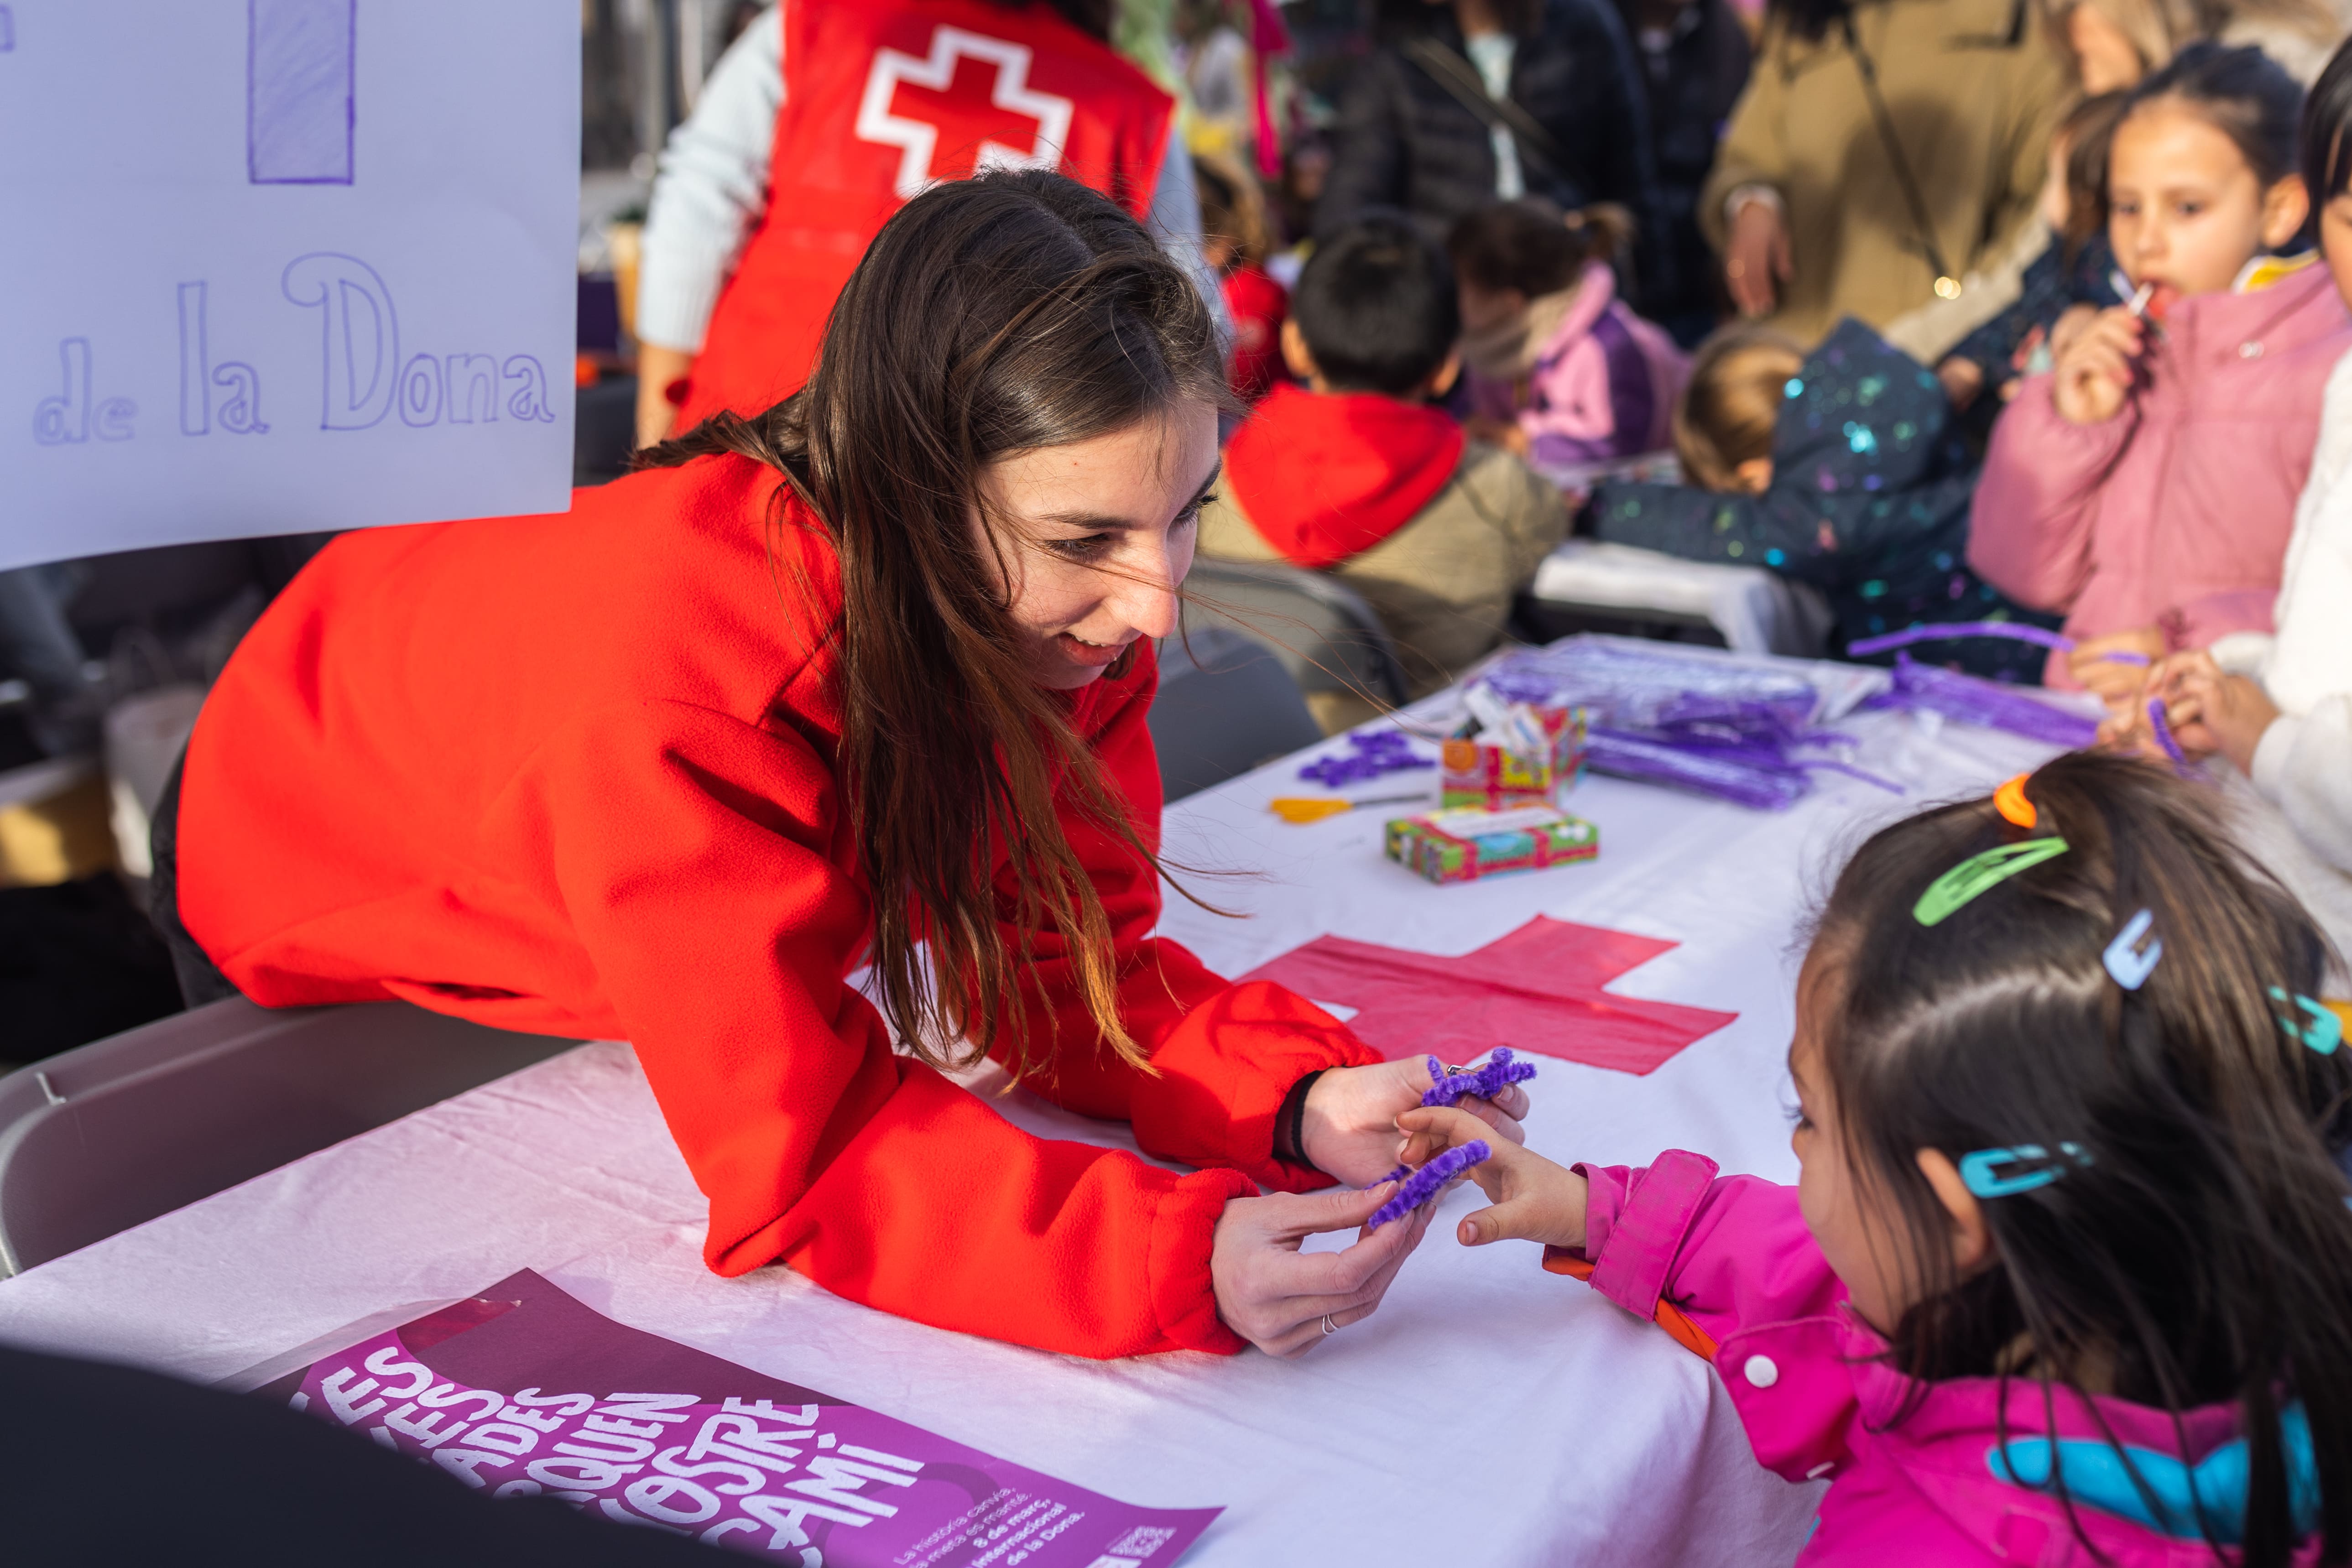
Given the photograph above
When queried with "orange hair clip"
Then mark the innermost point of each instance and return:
(2011, 802)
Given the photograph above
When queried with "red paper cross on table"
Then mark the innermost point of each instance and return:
(1537, 989)
(966, 115)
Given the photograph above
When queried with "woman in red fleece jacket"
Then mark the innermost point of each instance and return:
(859, 683)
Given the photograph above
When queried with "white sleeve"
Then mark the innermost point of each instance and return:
(2303, 766)
(1174, 220)
(712, 189)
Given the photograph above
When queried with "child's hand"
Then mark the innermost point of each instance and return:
(2116, 681)
(2209, 710)
(2095, 368)
(1962, 379)
(1532, 1199)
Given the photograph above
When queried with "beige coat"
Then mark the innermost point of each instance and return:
(1972, 111)
(1443, 584)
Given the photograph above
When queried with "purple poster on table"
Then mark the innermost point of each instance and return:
(524, 1391)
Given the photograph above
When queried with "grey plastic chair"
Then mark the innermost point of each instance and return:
(1226, 705)
(1321, 628)
(114, 1133)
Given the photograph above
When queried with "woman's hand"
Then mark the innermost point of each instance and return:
(2115, 681)
(1756, 259)
(1532, 1198)
(1350, 1127)
(2096, 365)
(1276, 1297)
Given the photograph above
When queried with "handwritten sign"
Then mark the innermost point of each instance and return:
(283, 266)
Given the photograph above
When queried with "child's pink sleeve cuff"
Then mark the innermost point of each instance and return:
(1634, 1221)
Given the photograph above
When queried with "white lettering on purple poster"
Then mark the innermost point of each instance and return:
(284, 265)
(523, 1390)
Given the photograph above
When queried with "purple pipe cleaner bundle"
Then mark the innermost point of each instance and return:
(1974, 701)
(1423, 1185)
(1484, 1082)
(1370, 756)
(1710, 725)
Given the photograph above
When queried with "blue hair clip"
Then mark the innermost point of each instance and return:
(2130, 960)
(1977, 1170)
(2322, 1034)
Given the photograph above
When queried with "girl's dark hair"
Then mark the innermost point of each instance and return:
(2327, 121)
(1377, 307)
(1531, 246)
(2243, 94)
(991, 316)
(1807, 19)
(2089, 129)
(2204, 1253)
(1092, 17)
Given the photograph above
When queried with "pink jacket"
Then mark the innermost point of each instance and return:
(2176, 512)
(1924, 1490)
(1603, 385)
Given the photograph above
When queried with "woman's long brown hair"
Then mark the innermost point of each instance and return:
(991, 316)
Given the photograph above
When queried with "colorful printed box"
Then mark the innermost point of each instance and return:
(1475, 771)
(1464, 846)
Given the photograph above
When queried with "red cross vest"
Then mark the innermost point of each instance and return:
(881, 101)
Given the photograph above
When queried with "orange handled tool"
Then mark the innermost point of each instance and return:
(1312, 808)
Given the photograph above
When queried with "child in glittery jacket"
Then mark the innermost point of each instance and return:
(1842, 468)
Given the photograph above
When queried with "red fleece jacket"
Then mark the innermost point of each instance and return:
(575, 774)
(1327, 476)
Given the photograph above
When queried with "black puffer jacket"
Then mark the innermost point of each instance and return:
(1403, 140)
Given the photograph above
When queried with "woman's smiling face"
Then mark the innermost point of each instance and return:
(1098, 537)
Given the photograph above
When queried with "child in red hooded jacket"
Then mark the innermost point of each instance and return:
(1358, 475)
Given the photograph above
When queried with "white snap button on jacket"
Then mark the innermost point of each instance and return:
(1760, 1371)
(2250, 351)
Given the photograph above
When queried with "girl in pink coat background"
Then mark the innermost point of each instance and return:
(1561, 371)
(2066, 1278)
(2146, 487)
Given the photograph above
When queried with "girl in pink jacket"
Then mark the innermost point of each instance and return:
(1561, 371)
(2146, 485)
(2066, 1278)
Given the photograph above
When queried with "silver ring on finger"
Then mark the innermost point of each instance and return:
(1328, 1326)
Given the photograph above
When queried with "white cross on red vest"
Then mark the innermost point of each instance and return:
(969, 104)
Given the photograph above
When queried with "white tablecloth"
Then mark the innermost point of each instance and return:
(1490, 1413)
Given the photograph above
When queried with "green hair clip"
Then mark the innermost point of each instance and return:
(1979, 872)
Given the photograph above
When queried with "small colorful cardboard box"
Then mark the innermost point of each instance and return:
(1464, 844)
(1480, 772)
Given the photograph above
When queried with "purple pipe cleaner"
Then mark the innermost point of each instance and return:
(1484, 1082)
(2156, 721)
(2016, 631)
(1987, 702)
(1422, 1185)
(1370, 756)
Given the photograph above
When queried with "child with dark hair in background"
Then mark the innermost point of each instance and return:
(1562, 370)
(2062, 1279)
(1842, 468)
(1355, 474)
(1234, 240)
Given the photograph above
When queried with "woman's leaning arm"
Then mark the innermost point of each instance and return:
(1224, 1055)
(722, 944)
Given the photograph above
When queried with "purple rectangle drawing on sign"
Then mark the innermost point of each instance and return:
(301, 102)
